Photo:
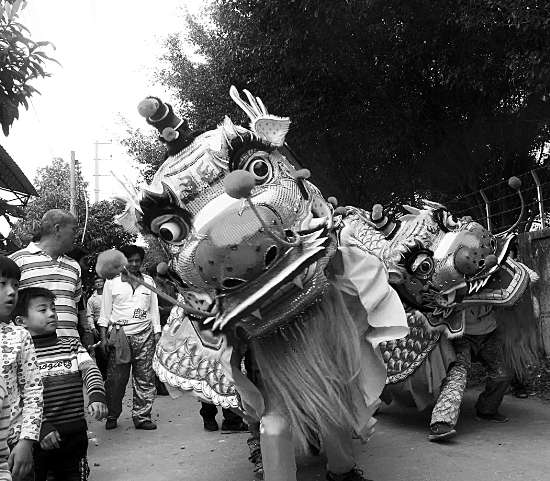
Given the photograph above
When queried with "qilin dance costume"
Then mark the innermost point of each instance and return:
(272, 268)
(450, 274)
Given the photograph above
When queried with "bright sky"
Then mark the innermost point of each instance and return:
(108, 50)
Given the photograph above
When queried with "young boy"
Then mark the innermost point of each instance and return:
(65, 365)
(21, 376)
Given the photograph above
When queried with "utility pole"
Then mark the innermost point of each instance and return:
(72, 183)
(97, 175)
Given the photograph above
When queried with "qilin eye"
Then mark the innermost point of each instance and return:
(451, 222)
(423, 265)
(261, 168)
(446, 221)
(170, 228)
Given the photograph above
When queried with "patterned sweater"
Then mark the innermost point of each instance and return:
(4, 427)
(23, 382)
(65, 365)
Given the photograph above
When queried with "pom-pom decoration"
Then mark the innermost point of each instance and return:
(301, 174)
(148, 107)
(169, 134)
(239, 184)
(110, 264)
(162, 268)
(377, 213)
(490, 261)
(514, 183)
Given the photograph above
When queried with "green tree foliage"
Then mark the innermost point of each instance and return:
(102, 232)
(154, 253)
(22, 60)
(390, 99)
(52, 185)
(146, 149)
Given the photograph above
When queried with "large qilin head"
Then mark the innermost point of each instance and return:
(248, 233)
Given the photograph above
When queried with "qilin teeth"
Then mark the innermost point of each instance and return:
(315, 243)
(312, 236)
(317, 222)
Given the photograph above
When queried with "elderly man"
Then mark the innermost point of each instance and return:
(130, 327)
(44, 263)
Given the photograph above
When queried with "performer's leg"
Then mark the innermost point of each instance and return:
(143, 378)
(447, 408)
(253, 443)
(208, 410)
(338, 449)
(208, 413)
(498, 380)
(115, 387)
(277, 448)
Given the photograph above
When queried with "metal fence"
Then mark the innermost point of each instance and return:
(497, 205)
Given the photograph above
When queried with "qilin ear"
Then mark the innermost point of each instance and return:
(268, 127)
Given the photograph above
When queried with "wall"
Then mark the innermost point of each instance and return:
(534, 251)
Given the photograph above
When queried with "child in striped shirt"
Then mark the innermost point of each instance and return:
(65, 366)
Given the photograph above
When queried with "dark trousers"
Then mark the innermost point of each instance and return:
(102, 360)
(68, 463)
(488, 350)
(142, 348)
(209, 411)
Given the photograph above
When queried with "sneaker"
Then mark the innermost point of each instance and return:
(355, 474)
(495, 417)
(238, 427)
(210, 424)
(440, 432)
(146, 425)
(111, 423)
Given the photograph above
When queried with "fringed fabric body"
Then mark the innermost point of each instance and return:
(310, 370)
(518, 329)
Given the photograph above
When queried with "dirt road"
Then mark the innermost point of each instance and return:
(180, 450)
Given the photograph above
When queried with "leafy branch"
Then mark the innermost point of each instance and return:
(22, 60)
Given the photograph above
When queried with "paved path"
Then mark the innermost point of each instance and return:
(180, 450)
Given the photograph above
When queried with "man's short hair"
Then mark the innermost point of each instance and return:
(27, 295)
(55, 217)
(132, 249)
(9, 269)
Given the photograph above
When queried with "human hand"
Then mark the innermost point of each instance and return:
(50, 441)
(20, 459)
(97, 410)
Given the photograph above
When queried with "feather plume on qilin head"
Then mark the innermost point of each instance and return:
(128, 219)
